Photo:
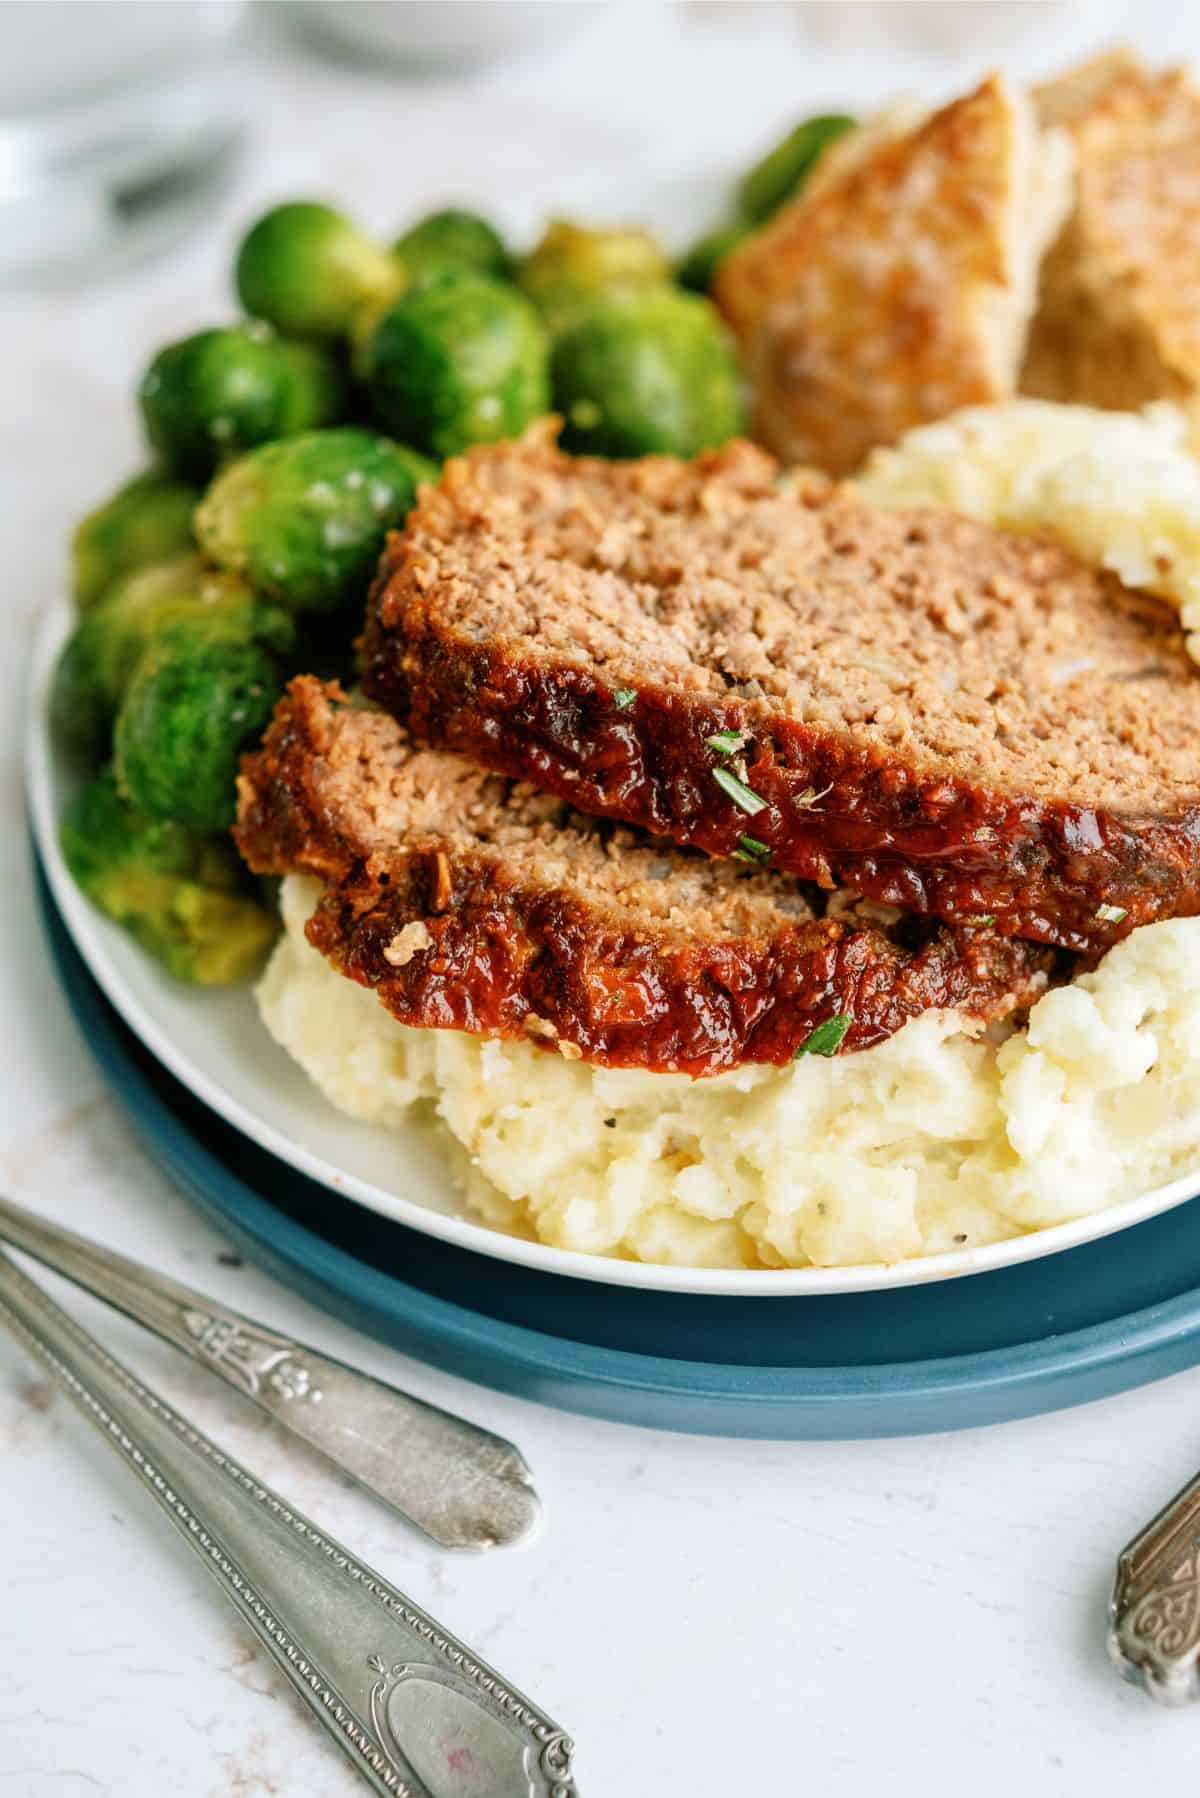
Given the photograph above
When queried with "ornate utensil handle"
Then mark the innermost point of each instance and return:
(418, 1714)
(462, 1485)
(1154, 1616)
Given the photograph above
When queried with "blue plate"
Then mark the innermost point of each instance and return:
(1048, 1333)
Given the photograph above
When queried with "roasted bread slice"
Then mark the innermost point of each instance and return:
(898, 286)
(1118, 314)
(470, 903)
(1065, 99)
(938, 714)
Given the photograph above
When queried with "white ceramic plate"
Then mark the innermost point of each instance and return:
(213, 1042)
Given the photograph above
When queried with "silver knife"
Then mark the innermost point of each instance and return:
(461, 1484)
(418, 1714)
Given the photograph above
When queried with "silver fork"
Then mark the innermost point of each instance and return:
(417, 1713)
(461, 1484)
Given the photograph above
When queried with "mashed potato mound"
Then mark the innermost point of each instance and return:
(1119, 488)
(930, 1141)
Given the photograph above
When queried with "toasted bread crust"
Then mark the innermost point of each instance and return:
(898, 290)
(979, 775)
(1118, 317)
(1066, 98)
(460, 930)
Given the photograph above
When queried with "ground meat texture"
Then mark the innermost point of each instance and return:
(469, 902)
(958, 720)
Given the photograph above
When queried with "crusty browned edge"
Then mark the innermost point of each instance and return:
(514, 960)
(834, 812)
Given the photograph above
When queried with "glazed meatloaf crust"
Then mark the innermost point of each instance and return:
(943, 716)
(471, 903)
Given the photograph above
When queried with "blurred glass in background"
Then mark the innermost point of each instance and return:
(119, 123)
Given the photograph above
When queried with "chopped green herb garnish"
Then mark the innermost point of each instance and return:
(983, 917)
(826, 1039)
(624, 698)
(757, 851)
(738, 791)
(1111, 914)
(726, 742)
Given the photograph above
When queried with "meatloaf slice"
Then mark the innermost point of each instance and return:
(471, 903)
(943, 716)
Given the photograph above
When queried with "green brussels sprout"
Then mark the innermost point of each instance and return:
(459, 359)
(307, 270)
(211, 396)
(576, 264)
(104, 649)
(644, 373)
(145, 520)
(179, 895)
(452, 240)
(192, 704)
(781, 172)
(698, 264)
(304, 520)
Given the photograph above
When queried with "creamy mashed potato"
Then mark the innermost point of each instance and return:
(1119, 488)
(930, 1141)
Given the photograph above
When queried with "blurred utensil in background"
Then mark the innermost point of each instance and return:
(119, 123)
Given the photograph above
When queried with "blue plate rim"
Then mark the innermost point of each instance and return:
(1094, 1347)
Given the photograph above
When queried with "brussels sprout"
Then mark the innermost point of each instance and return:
(459, 359)
(452, 239)
(107, 644)
(451, 242)
(698, 264)
(210, 396)
(304, 520)
(778, 175)
(307, 270)
(647, 372)
(179, 895)
(147, 519)
(576, 264)
(192, 704)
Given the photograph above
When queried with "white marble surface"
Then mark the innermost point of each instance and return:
(708, 1617)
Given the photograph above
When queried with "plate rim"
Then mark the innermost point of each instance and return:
(84, 927)
(908, 1397)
